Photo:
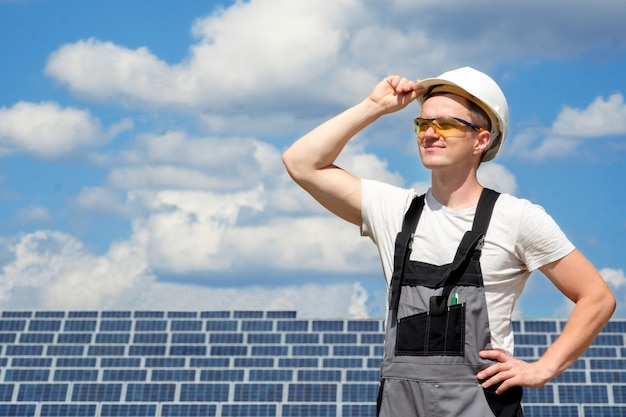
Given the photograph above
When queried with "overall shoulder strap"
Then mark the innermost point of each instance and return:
(402, 252)
(484, 210)
(473, 240)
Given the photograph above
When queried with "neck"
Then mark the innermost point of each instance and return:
(455, 191)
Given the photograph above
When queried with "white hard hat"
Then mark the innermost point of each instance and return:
(480, 89)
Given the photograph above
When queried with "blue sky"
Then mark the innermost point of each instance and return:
(140, 143)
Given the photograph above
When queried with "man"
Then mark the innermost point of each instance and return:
(456, 259)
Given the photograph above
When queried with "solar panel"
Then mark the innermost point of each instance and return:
(249, 363)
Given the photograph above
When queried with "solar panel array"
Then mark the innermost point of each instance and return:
(248, 363)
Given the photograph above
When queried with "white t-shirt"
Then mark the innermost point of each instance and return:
(521, 238)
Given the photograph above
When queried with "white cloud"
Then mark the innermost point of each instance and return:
(35, 213)
(59, 272)
(47, 130)
(572, 129)
(52, 270)
(497, 177)
(615, 277)
(601, 118)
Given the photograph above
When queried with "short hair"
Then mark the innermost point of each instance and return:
(479, 116)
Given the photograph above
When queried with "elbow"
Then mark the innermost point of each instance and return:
(293, 166)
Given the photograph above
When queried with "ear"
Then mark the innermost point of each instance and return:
(482, 142)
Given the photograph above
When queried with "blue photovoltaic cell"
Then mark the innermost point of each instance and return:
(8, 337)
(150, 325)
(215, 314)
(270, 375)
(305, 375)
(264, 350)
(79, 325)
(182, 314)
(364, 326)
(209, 362)
(120, 362)
(340, 338)
(149, 314)
(543, 395)
(150, 392)
(309, 410)
(65, 350)
(76, 362)
(70, 338)
(594, 394)
(362, 376)
(16, 314)
(165, 362)
(354, 410)
(44, 326)
(190, 410)
(42, 392)
(604, 411)
(115, 325)
(221, 326)
(186, 325)
(257, 326)
(82, 314)
(204, 392)
(361, 393)
(222, 375)
(146, 350)
(12, 325)
(259, 338)
(225, 338)
(105, 338)
(248, 314)
(150, 338)
(26, 374)
(96, 392)
(24, 350)
(75, 374)
(310, 350)
(281, 314)
(328, 325)
(29, 362)
(173, 375)
(17, 410)
(128, 410)
(259, 392)
(313, 393)
(42, 338)
(551, 411)
(106, 350)
(188, 338)
(116, 314)
(6, 392)
(292, 326)
(249, 410)
(188, 350)
(302, 338)
(68, 410)
(124, 375)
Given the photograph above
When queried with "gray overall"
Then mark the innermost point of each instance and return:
(436, 326)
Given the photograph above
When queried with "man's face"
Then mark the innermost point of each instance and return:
(451, 147)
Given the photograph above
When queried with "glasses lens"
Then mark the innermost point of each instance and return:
(443, 126)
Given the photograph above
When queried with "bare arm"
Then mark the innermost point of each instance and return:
(310, 160)
(579, 281)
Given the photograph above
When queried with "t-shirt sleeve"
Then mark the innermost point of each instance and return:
(540, 240)
(382, 208)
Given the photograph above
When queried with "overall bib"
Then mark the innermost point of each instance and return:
(436, 325)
